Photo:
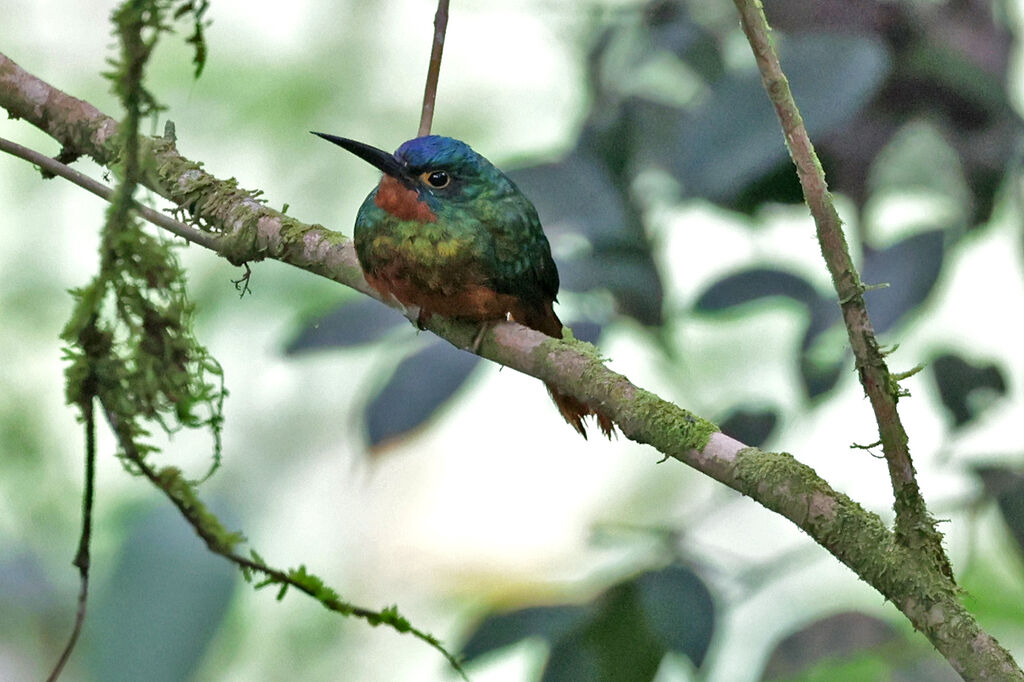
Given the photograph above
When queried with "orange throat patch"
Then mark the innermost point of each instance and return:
(402, 202)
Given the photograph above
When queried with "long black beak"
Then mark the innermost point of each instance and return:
(376, 157)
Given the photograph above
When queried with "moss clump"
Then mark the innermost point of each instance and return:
(665, 423)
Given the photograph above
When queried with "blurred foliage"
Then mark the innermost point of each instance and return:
(906, 102)
(158, 607)
(898, 111)
(620, 636)
(966, 389)
(1006, 486)
(750, 426)
(407, 401)
(865, 75)
(849, 647)
(950, 64)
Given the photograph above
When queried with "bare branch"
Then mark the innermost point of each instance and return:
(434, 70)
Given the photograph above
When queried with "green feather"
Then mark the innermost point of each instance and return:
(486, 228)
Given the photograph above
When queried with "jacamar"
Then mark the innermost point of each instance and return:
(448, 232)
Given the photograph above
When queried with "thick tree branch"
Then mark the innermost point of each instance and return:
(245, 230)
(914, 525)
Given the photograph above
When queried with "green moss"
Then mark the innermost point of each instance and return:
(294, 231)
(582, 347)
(392, 617)
(130, 338)
(761, 471)
(206, 524)
(641, 415)
(668, 423)
(857, 537)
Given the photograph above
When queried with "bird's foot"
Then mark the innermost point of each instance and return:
(478, 339)
(422, 319)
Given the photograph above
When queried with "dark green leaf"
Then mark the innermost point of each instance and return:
(755, 284)
(577, 195)
(164, 602)
(573, 658)
(780, 185)
(679, 610)
(352, 323)
(421, 384)
(818, 377)
(759, 283)
(838, 636)
(614, 645)
(670, 27)
(733, 138)
(750, 426)
(910, 268)
(1007, 486)
(500, 630)
(629, 274)
(966, 389)
(818, 374)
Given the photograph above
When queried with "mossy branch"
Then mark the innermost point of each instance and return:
(129, 339)
(242, 229)
(914, 525)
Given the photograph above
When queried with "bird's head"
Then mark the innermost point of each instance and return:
(435, 167)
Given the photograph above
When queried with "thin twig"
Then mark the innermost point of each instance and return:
(82, 555)
(55, 167)
(914, 525)
(434, 70)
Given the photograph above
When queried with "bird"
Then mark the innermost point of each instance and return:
(448, 232)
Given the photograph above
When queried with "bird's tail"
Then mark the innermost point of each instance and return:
(573, 410)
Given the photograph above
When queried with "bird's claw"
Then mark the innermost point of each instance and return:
(478, 339)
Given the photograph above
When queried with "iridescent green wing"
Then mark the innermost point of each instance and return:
(522, 263)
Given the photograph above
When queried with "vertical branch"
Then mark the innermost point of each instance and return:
(434, 70)
(914, 526)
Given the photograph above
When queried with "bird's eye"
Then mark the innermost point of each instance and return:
(438, 179)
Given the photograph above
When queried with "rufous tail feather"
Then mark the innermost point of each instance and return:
(573, 410)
